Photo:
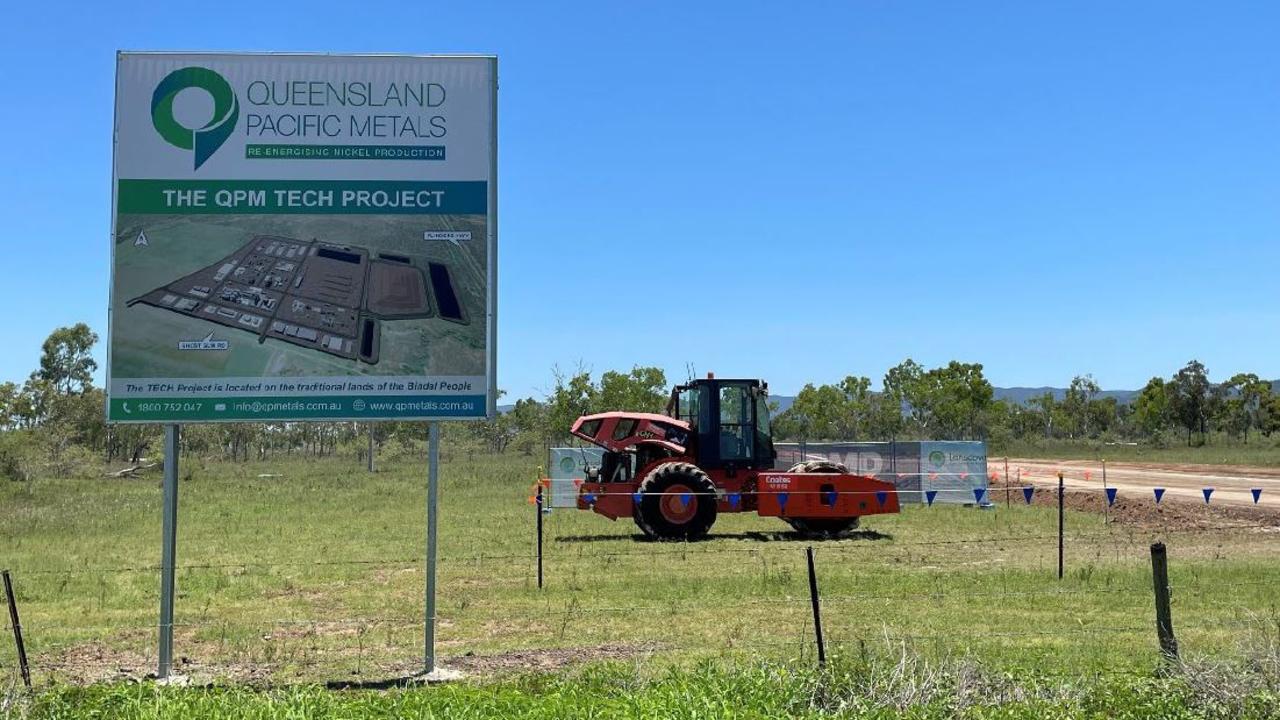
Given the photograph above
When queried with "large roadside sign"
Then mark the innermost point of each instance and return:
(303, 237)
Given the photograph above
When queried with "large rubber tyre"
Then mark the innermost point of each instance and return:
(677, 502)
(822, 528)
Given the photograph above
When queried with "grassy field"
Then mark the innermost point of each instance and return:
(311, 571)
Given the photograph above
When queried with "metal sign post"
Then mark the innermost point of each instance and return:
(168, 553)
(433, 487)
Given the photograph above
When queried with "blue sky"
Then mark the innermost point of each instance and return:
(782, 190)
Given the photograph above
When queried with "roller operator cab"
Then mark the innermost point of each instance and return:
(712, 452)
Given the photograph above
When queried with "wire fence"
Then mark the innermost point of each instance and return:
(344, 647)
(745, 593)
(779, 541)
(1255, 489)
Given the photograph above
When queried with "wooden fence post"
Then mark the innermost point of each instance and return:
(1061, 525)
(1164, 613)
(538, 504)
(817, 613)
(17, 630)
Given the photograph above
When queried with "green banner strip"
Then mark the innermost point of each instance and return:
(315, 197)
(313, 407)
(343, 152)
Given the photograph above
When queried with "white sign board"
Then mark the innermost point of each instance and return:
(303, 237)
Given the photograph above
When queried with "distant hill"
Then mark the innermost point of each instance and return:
(784, 403)
(1020, 395)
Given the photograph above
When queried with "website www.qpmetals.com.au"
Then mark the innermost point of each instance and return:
(422, 406)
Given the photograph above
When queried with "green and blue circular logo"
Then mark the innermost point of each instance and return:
(938, 458)
(567, 464)
(202, 141)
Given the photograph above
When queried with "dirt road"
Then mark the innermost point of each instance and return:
(1232, 484)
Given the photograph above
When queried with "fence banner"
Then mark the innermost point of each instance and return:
(954, 470)
(565, 465)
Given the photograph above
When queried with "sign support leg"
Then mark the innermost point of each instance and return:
(168, 552)
(433, 486)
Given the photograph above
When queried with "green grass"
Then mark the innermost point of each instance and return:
(1220, 450)
(757, 690)
(317, 575)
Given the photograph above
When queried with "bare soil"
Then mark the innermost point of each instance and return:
(545, 659)
(1183, 506)
(97, 662)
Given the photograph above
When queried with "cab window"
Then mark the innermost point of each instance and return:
(694, 408)
(737, 439)
(764, 438)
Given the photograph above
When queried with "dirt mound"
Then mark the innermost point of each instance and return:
(1172, 511)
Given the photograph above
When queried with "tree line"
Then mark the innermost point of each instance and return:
(955, 402)
(53, 423)
(949, 402)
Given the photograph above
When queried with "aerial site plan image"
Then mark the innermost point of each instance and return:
(314, 295)
(331, 298)
(303, 237)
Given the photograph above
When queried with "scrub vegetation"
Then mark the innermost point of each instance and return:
(300, 589)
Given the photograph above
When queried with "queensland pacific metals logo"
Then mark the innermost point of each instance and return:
(202, 141)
